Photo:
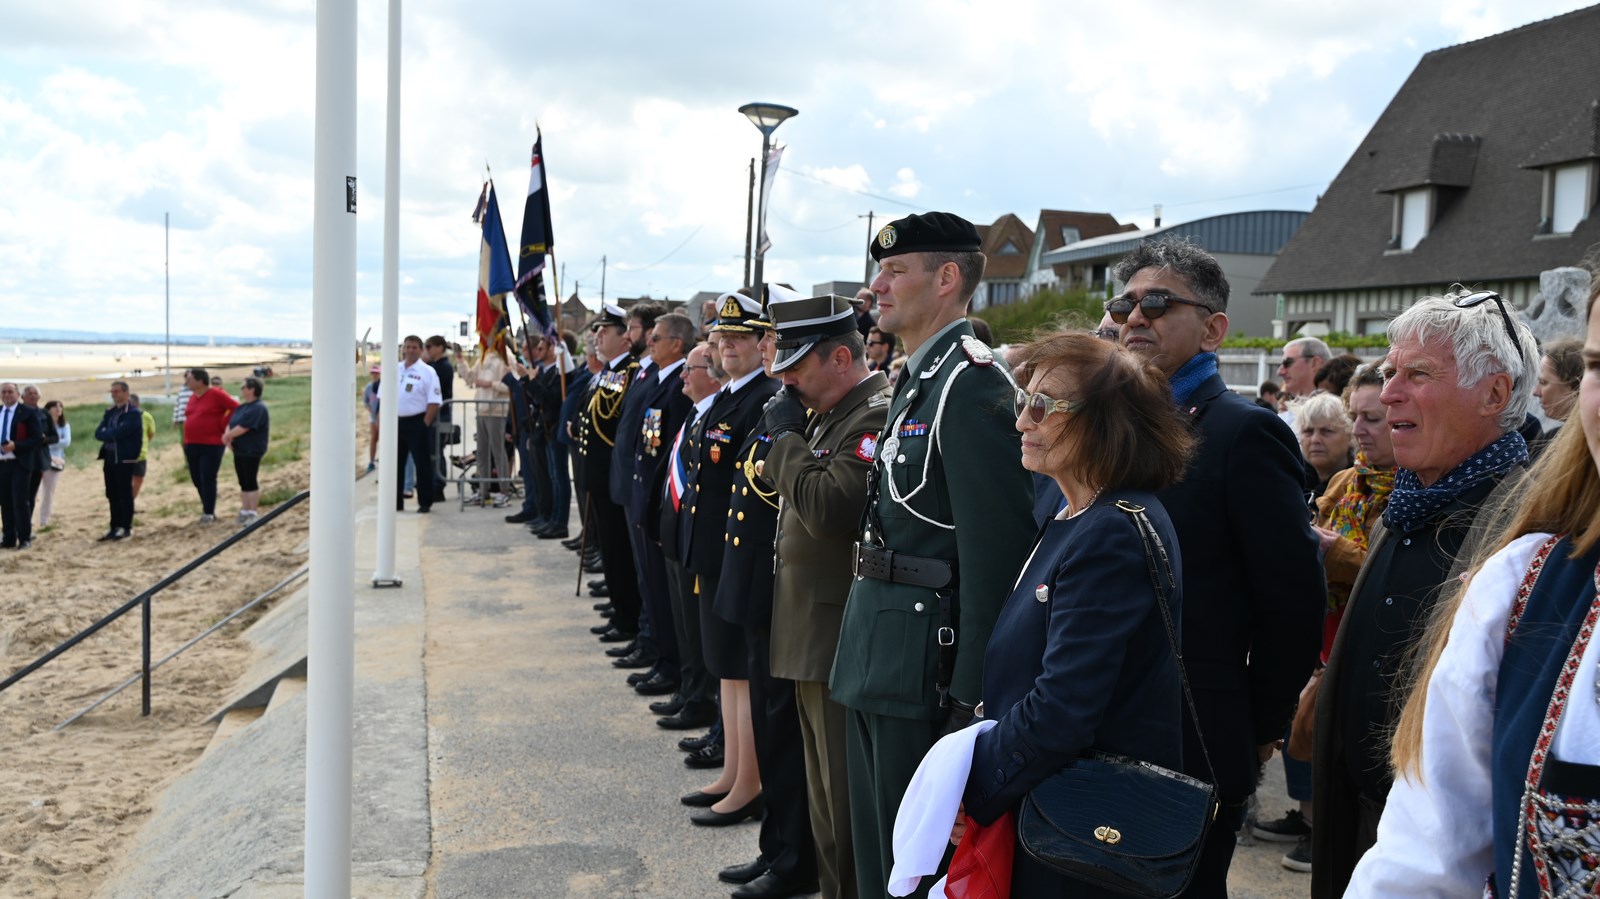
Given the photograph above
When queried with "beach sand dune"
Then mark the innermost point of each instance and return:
(71, 802)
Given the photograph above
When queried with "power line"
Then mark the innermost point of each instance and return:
(898, 202)
(623, 268)
(816, 230)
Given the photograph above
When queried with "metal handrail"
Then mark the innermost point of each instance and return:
(143, 601)
(462, 479)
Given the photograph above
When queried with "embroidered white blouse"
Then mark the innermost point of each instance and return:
(1435, 838)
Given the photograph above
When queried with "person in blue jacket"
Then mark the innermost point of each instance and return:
(1080, 657)
(121, 433)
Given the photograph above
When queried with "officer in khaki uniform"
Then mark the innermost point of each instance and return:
(949, 523)
(820, 469)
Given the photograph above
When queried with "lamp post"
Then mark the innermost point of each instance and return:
(766, 117)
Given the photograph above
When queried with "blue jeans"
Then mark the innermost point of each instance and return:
(560, 483)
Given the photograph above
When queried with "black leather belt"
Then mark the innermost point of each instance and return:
(903, 568)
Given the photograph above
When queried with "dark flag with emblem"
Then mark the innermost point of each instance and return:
(538, 239)
(494, 274)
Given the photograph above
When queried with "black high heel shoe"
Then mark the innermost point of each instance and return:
(749, 811)
(699, 799)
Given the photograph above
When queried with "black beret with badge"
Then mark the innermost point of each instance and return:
(930, 232)
(801, 322)
(610, 314)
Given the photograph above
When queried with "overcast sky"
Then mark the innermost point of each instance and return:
(113, 113)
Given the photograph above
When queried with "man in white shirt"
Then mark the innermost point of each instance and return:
(417, 407)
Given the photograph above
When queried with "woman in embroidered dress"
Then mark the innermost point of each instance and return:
(1497, 753)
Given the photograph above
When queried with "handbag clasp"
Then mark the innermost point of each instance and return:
(1108, 835)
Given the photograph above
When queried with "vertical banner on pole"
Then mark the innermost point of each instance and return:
(331, 627)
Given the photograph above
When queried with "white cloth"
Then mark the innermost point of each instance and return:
(928, 809)
(1436, 835)
(419, 389)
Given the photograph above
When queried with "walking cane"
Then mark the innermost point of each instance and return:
(583, 542)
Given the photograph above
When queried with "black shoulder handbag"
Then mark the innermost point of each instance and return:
(1116, 822)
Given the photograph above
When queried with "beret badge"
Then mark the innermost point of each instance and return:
(886, 237)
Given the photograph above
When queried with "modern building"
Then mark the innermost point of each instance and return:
(1482, 171)
(1245, 244)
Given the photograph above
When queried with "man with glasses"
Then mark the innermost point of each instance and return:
(1458, 381)
(1253, 590)
(880, 349)
(948, 528)
(1302, 359)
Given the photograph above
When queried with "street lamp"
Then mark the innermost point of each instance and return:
(766, 117)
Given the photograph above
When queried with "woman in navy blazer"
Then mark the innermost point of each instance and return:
(1080, 657)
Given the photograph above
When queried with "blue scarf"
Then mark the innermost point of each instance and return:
(1193, 373)
(1412, 505)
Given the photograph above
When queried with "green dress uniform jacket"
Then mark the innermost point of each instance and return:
(951, 486)
(822, 478)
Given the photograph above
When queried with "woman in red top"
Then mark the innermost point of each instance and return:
(204, 422)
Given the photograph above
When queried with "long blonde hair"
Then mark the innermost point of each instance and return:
(1562, 496)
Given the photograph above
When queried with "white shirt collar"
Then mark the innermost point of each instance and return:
(662, 374)
(701, 407)
(735, 386)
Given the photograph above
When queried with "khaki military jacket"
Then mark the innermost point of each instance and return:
(951, 487)
(822, 478)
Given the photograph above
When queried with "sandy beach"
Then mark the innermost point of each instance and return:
(70, 802)
(78, 372)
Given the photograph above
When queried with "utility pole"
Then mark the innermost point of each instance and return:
(749, 221)
(866, 274)
(602, 281)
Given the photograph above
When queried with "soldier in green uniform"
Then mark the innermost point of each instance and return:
(949, 523)
(820, 466)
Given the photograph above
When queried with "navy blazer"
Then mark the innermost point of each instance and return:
(122, 431)
(664, 406)
(577, 393)
(625, 455)
(29, 438)
(1255, 593)
(1079, 658)
(711, 475)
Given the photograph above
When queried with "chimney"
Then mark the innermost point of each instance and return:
(1158, 216)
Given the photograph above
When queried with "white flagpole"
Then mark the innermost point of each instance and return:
(331, 629)
(389, 388)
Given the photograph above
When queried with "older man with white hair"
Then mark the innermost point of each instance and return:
(1458, 380)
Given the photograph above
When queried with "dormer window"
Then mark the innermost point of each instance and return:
(1070, 235)
(1008, 249)
(1569, 195)
(1413, 215)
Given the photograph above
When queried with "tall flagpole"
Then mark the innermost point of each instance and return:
(330, 691)
(389, 386)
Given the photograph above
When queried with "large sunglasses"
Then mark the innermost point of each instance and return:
(1152, 305)
(1484, 296)
(1038, 406)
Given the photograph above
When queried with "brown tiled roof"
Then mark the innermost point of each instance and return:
(1006, 266)
(1468, 120)
(1089, 224)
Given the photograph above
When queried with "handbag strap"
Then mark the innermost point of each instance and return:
(1153, 547)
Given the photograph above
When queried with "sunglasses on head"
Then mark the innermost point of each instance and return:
(1152, 306)
(1484, 296)
(1038, 406)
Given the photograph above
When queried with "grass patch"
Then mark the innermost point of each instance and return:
(1017, 322)
(288, 400)
(277, 495)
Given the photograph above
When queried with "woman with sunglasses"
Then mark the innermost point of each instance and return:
(1080, 655)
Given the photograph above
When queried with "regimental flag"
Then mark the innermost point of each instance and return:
(774, 156)
(538, 239)
(494, 275)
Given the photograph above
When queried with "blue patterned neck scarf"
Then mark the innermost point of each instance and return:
(1192, 375)
(1412, 505)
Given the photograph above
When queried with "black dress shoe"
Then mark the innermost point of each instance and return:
(705, 757)
(750, 811)
(635, 659)
(520, 517)
(601, 591)
(669, 706)
(691, 721)
(658, 685)
(743, 873)
(623, 651)
(599, 629)
(617, 636)
(551, 533)
(600, 582)
(607, 613)
(695, 744)
(593, 568)
(698, 799)
(639, 677)
(604, 607)
(771, 886)
(572, 543)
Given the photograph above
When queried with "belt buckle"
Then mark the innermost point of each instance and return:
(947, 636)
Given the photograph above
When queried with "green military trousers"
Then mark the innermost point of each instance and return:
(883, 752)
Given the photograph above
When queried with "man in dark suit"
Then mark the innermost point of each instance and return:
(820, 466)
(599, 426)
(21, 436)
(1253, 588)
(661, 410)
